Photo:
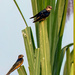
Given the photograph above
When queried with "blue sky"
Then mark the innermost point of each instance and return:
(11, 39)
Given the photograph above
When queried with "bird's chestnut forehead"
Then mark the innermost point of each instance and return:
(20, 56)
(49, 6)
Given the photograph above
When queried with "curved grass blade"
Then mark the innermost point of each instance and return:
(59, 58)
(68, 45)
(70, 63)
(20, 13)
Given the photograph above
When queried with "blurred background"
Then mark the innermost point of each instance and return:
(11, 39)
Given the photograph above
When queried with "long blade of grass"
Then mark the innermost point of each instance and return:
(57, 54)
(60, 12)
(44, 49)
(57, 57)
(68, 61)
(57, 23)
(53, 34)
(20, 12)
(63, 19)
(34, 6)
(30, 47)
(37, 61)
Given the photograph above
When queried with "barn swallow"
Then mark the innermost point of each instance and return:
(42, 14)
(17, 64)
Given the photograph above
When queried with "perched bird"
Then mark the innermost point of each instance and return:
(42, 14)
(17, 64)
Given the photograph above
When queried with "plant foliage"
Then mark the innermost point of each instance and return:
(48, 57)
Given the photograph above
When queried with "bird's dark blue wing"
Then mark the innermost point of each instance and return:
(19, 60)
(44, 13)
(17, 64)
(41, 15)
